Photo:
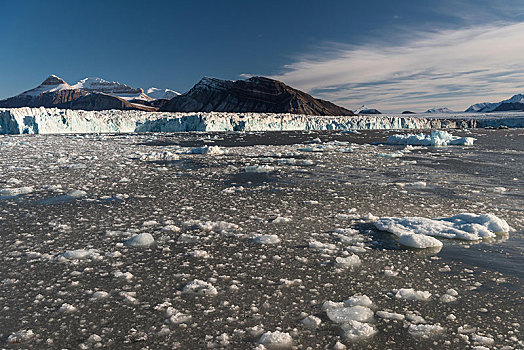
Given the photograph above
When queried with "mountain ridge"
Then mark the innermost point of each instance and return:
(256, 94)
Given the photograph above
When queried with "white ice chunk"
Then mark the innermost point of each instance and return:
(462, 226)
(15, 191)
(437, 138)
(276, 340)
(141, 240)
(311, 322)
(362, 300)
(355, 330)
(419, 241)
(425, 330)
(390, 315)
(211, 150)
(259, 169)
(411, 294)
(350, 261)
(199, 287)
(266, 239)
(352, 313)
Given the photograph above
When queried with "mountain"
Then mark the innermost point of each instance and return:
(366, 110)
(408, 112)
(256, 94)
(515, 103)
(439, 110)
(164, 94)
(88, 94)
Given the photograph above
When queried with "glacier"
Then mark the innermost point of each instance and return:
(42, 120)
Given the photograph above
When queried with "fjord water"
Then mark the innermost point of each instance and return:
(253, 233)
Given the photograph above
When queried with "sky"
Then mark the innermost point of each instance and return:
(390, 55)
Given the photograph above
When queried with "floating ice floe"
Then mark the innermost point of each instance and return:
(436, 138)
(311, 322)
(358, 300)
(16, 191)
(419, 241)
(411, 294)
(351, 313)
(158, 156)
(259, 169)
(355, 330)
(20, 336)
(141, 240)
(215, 226)
(211, 150)
(425, 330)
(276, 340)
(80, 254)
(462, 226)
(350, 261)
(199, 287)
(266, 239)
(390, 315)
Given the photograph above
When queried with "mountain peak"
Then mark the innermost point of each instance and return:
(53, 80)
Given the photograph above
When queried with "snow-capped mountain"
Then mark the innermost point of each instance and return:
(256, 94)
(164, 94)
(515, 103)
(439, 110)
(51, 84)
(367, 110)
(90, 94)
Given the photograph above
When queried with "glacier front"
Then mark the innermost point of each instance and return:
(60, 121)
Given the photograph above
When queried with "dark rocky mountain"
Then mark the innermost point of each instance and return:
(408, 112)
(257, 94)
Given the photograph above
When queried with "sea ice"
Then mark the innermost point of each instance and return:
(346, 314)
(350, 261)
(20, 336)
(355, 330)
(437, 138)
(411, 294)
(259, 169)
(266, 239)
(199, 287)
(358, 300)
(425, 330)
(416, 240)
(141, 240)
(311, 322)
(211, 150)
(276, 340)
(10, 192)
(462, 226)
(79, 254)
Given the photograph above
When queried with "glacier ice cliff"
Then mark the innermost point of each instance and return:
(59, 121)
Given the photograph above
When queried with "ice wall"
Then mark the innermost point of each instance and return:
(58, 121)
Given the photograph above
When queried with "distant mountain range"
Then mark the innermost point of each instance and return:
(89, 94)
(257, 94)
(515, 103)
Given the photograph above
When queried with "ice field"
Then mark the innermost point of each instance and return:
(263, 240)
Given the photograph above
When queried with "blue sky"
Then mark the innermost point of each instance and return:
(391, 55)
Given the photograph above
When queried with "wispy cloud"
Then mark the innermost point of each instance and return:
(452, 68)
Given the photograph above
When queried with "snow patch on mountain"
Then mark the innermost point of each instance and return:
(440, 110)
